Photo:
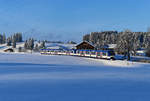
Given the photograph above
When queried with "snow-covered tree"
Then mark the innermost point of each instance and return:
(8, 41)
(14, 41)
(42, 44)
(4, 38)
(29, 44)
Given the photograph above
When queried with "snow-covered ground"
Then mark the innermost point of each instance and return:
(4, 46)
(35, 77)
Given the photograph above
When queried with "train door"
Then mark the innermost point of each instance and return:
(97, 54)
(89, 53)
(82, 53)
(101, 54)
(67, 52)
(55, 52)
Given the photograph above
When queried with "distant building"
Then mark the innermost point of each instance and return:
(85, 45)
(141, 52)
(9, 50)
(71, 42)
(108, 47)
(112, 46)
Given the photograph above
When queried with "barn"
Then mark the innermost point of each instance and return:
(85, 46)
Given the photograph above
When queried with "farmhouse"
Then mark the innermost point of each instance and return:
(85, 45)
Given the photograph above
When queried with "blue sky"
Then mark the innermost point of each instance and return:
(70, 19)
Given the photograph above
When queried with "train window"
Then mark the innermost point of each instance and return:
(82, 52)
(111, 53)
(87, 52)
(93, 53)
(104, 54)
(98, 54)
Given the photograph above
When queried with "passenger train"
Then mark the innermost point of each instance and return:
(102, 54)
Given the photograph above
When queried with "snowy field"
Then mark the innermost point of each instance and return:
(35, 77)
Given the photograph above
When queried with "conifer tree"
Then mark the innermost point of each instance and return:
(4, 38)
(14, 41)
(8, 41)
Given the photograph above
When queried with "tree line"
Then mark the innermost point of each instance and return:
(11, 40)
(29, 44)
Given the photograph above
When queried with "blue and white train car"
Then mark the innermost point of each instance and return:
(86, 53)
(104, 54)
(50, 51)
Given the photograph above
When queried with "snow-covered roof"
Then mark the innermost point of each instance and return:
(140, 51)
(112, 45)
(60, 46)
(55, 47)
(86, 42)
